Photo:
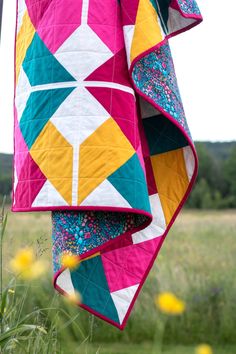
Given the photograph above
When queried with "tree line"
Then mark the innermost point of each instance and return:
(215, 186)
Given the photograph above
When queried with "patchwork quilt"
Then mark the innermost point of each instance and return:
(101, 139)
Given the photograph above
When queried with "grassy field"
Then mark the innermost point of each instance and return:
(197, 262)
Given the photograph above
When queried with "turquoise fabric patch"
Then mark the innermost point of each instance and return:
(154, 4)
(167, 136)
(163, 11)
(40, 107)
(90, 280)
(41, 66)
(130, 182)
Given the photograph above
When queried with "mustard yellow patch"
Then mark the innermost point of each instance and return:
(54, 156)
(171, 180)
(23, 40)
(147, 32)
(101, 154)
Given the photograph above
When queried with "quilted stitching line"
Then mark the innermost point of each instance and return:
(79, 84)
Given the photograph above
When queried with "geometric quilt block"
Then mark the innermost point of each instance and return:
(40, 106)
(55, 29)
(130, 181)
(101, 154)
(78, 55)
(121, 107)
(41, 66)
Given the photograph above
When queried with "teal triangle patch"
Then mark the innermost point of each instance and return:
(41, 66)
(130, 182)
(40, 107)
(162, 135)
(90, 280)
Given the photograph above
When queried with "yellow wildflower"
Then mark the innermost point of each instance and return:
(169, 303)
(23, 259)
(11, 291)
(204, 349)
(25, 264)
(70, 261)
(36, 270)
(74, 298)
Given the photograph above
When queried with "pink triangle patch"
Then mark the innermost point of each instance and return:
(128, 264)
(113, 70)
(121, 107)
(105, 21)
(129, 12)
(20, 147)
(30, 181)
(53, 24)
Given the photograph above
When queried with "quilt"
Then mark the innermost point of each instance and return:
(101, 139)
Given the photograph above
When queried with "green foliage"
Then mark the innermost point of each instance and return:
(215, 186)
(192, 264)
(5, 185)
(6, 164)
(230, 172)
(30, 329)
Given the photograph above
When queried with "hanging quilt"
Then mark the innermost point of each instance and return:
(101, 139)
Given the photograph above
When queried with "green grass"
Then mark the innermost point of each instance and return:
(117, 348)
(197, 262)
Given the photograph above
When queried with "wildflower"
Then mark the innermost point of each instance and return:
(204, 349)
(169, 303)
(70, 261)
(25, 264)
(11, 291)
(74, 297)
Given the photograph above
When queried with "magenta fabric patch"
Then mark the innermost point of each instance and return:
(53, 24)
(105, 21)
(106, 71)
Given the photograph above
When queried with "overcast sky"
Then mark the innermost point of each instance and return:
(205, 62)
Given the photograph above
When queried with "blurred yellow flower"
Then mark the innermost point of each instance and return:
(25, 264)
(204, 349)
(169, 303)
(11, 291)
(36, 270)
(74, 298)
(70, 261)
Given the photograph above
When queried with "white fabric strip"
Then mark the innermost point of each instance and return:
(75, 178)
(84, 15)
(80, 84)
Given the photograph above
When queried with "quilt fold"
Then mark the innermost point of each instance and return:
(101, 139)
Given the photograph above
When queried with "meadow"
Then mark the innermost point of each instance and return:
(197, 262)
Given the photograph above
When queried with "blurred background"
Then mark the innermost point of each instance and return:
(197, 261)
